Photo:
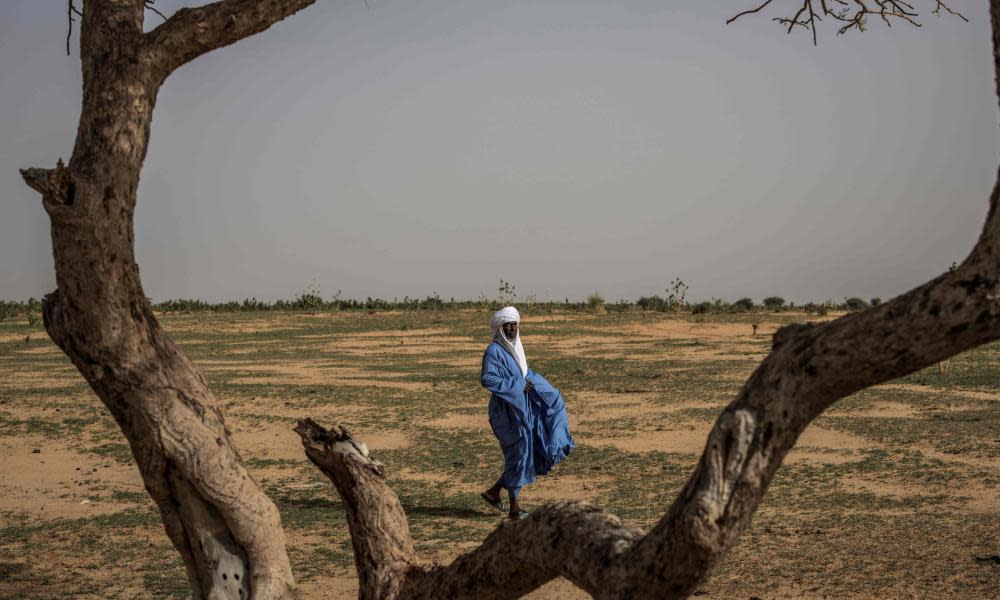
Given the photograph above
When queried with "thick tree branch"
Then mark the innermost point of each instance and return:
(380, 533)
(572, 539)
(809, 369)
(191, 32)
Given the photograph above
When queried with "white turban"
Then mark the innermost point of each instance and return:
(509, 315)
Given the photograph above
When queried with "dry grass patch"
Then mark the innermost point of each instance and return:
(60, 482)
(842, 497)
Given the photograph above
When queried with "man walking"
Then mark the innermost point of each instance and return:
(527, 414)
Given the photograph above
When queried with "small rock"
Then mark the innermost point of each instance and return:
(36, 451)
(85, 502)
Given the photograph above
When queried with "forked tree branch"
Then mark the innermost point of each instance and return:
(572, 539)
(191, 32)
(379, 530)
(218, 516)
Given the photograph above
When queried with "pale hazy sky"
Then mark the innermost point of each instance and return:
(413, 146)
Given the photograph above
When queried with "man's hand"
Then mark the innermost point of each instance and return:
(527, 386)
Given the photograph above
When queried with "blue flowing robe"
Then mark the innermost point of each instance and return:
(532, 427)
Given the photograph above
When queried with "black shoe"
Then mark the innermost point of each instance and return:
(518, 515)
(496, 503)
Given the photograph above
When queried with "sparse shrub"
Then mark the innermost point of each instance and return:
(182, 305)
(14, 309)
(743, 305)
(505, 293)
(875, 301)
(308, 300)
(701, 308)
(33, 311)
(819, 309)
(854, 304)
(596, 302)
(651, 303)
(676, 295)
(774, 303)
(621, 306)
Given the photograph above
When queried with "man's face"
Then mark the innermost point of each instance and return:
(509, 330)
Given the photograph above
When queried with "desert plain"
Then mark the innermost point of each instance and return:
(892, 492)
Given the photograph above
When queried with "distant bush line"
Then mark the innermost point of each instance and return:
(313, 302)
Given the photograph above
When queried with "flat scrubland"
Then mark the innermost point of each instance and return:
(894, 492)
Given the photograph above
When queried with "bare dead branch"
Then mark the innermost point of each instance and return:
(191, 32)
(942, 5)
(748, 12)
(852, 15)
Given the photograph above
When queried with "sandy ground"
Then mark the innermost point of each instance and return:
(63, 461)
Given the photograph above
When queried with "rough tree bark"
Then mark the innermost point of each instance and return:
(220, 520)
(217, 516)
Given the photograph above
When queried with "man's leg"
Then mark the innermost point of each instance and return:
(515, 506)
(492, 495)
(494, 492)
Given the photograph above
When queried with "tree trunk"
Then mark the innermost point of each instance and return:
(227, 530)
(217, 516)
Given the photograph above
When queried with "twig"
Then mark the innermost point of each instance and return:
(149, 5)
(852, 14)
(69, 15)
(746, 12)
(940, 5)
